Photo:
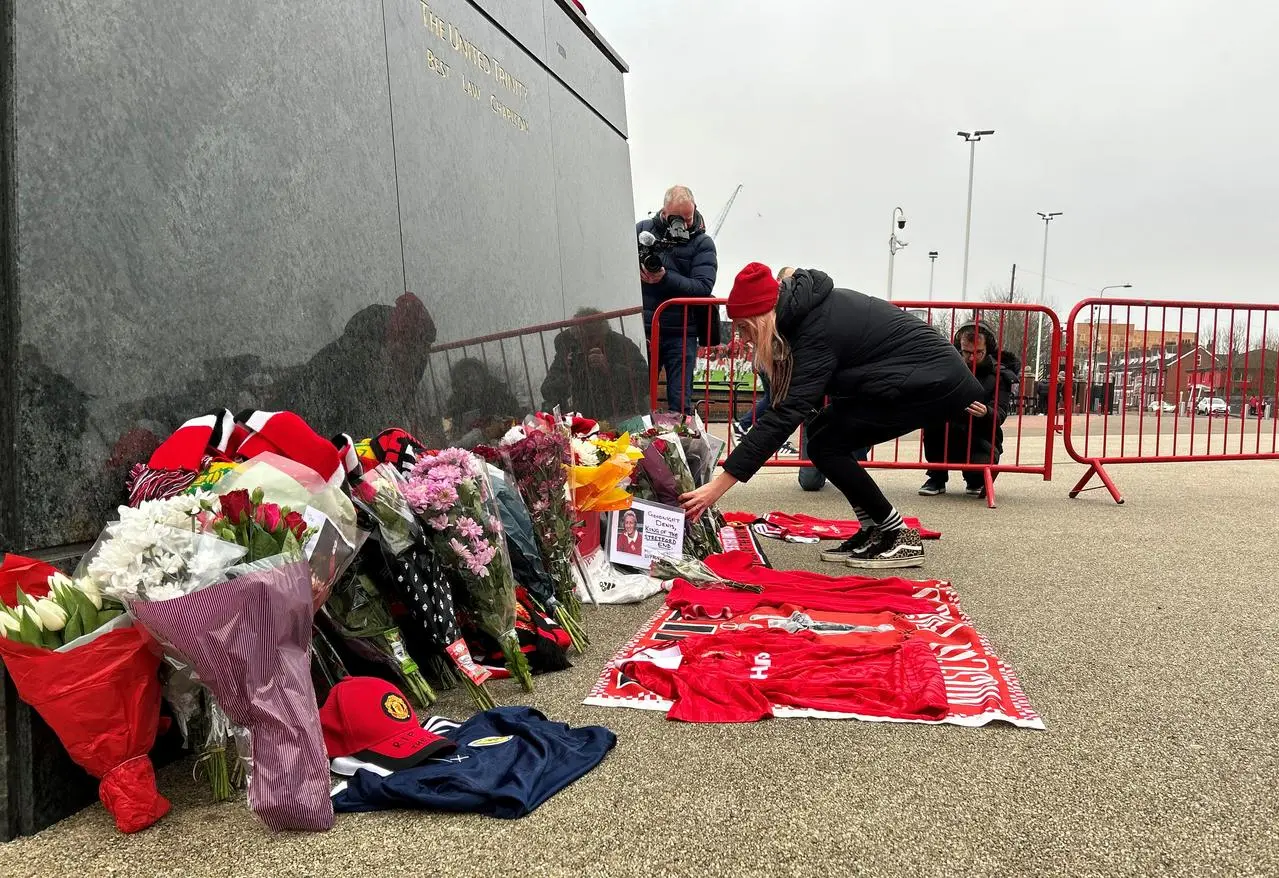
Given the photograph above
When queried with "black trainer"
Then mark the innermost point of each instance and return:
(899, 548)
(931, 488)
(975, 490)
(855, 546)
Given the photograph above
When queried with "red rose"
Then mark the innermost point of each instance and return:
(583, 426)
(296, 523)
(237, 507)
(268, 515)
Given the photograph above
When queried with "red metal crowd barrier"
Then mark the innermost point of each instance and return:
(725, 388)
(1169, 381)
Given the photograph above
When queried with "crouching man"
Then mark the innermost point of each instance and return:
(974, 439)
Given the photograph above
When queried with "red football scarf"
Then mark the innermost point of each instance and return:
(805, 528)
(287, 435)
(214, 433)
(852, 594)
(739, 676)
(893, 596)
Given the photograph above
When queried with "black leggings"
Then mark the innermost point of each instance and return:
(849, 424)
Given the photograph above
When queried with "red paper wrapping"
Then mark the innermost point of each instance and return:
(103, 702)
(28, 574)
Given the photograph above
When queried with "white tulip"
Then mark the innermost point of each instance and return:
(91, 591)
(52, 616)
(26, 612)
(59, 580)
(8, 623)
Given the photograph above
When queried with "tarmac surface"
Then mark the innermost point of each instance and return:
(1147, 636)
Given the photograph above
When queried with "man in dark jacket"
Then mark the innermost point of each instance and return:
(886, 374)
(596, 371)
(689, 265)
(969, 439)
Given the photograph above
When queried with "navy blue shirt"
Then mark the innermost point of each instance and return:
(508, 761)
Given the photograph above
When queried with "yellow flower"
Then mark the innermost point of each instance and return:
(620, 445)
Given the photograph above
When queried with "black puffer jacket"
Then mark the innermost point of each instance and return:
(847, 344)
(691, 269)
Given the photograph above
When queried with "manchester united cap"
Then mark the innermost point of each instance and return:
(371, 720)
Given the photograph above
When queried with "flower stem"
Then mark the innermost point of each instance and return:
(418, 689)
(483, 700)
(516, 662)
(574, 628)
(214, 765)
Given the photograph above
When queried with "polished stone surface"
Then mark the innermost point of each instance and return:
(223, 205)
(280, 206)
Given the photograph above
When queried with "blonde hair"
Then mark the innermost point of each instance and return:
(772, 352)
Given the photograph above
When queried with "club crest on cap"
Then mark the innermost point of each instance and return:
(395, 707)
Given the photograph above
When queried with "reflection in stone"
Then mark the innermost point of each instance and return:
(597, 371)
(369, 378)
(481, 405)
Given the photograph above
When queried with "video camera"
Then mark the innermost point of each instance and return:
(650, 246)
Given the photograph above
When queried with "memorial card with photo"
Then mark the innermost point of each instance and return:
(645, 531)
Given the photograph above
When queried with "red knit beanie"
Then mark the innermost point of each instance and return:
(754, 292)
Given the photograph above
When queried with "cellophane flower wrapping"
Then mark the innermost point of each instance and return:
(101, 697)
(413, 574)
(380, 492)
(602, 486)
(357, 613)
(335, 537)
(451, 493)
(249, 640)
(666, 477)
(539, 457)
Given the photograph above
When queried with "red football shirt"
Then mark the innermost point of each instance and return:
(739, 676)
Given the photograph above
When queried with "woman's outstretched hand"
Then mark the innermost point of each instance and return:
(977, 410)
(698, 501)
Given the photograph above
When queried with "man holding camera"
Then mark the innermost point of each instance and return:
(677, 261)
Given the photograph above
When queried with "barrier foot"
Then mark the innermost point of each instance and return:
(990, 488)
(1095, 468)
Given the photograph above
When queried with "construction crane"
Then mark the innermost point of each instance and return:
(723, 214)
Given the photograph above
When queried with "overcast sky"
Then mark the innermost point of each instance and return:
(1151, 124)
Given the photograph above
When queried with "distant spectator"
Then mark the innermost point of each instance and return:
(971, 439)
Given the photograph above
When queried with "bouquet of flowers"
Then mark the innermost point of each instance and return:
(600, 473)
(667, 476)
(247, 637)
(99, 692)
(413, 574)
(538, 456)
(451, 493)
(358, 614)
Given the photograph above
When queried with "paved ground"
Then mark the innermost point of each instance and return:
(1146, 635)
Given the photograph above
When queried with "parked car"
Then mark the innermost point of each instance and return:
(1214, 405)
(1161, 405)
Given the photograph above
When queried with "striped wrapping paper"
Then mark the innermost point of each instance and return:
(249, 641)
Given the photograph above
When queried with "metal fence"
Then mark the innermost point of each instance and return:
(1169, 381)
(727, 393)
(591, 364)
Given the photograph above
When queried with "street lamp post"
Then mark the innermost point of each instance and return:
(894, 244)
(971, 138)
(1043, 280)
(932, 270)
(1096, 340)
